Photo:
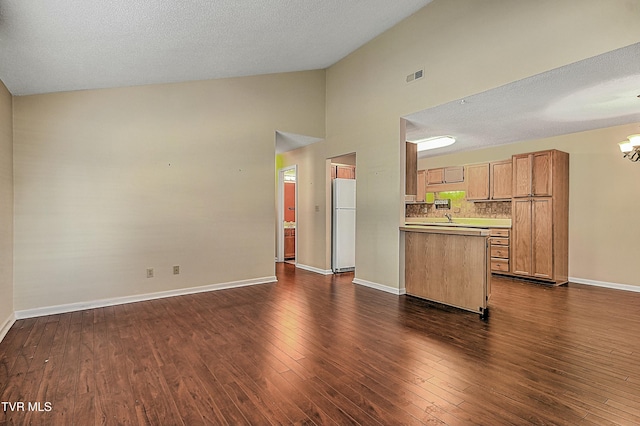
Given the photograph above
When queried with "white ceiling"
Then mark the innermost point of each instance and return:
(594, 93)
(60, 45)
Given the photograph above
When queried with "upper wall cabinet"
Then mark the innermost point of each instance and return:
(345, 171)
(489, 181)
(445, 175)
(501, 178)
(435, 176)
(478, 182)
(532, 174)
(453, 174)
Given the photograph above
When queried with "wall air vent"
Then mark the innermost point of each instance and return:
(417, 75)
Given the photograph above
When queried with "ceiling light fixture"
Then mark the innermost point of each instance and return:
(631, 147)
(433, 143)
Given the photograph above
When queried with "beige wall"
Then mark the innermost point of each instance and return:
(111, 182)
(603, 199)
(311, 227)
(6, 207)
(465, 47)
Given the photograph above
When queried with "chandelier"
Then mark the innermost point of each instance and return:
(631, 147)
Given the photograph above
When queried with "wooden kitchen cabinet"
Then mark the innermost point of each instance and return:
(411, 168)
(532, 174)
(499, 244)
(345, 171)
(540, 241)
(477, 182)
(435, 176)
(454, 174)
(501, 179)
(533, 235)
(422, 185)
(289, 243)
(489, 181)
(448, 266)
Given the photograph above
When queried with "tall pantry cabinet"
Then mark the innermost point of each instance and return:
(540, 216)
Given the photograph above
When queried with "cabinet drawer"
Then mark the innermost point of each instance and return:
(500, 265)
(499, 241)
(500, 251)
(499, 232)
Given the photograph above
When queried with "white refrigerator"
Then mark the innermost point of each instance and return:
(343, 247)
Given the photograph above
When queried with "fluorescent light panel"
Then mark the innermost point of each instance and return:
(433, 143)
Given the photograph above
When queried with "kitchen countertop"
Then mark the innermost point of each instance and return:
(451, 230)
(458, 222)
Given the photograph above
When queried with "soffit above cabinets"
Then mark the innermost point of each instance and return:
(598, 92)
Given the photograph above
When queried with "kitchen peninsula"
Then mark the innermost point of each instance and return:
(448, 265)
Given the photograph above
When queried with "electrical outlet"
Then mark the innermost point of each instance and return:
(149, 272)
(176, 269)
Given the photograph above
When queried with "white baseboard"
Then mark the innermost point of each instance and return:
(81, 306)
(4, 329)
(314, 269)
(615, 286)
(381, 287)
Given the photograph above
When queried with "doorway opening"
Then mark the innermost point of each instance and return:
(287, 214)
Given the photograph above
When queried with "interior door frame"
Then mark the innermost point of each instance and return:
(280, 239)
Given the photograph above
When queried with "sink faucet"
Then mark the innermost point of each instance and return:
(448, 216)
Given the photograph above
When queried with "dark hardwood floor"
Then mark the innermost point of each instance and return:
(321, 350)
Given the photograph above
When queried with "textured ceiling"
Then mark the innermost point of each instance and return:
(598, 92)
(60, 45)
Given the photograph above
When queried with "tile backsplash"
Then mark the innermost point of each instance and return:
(460, 207)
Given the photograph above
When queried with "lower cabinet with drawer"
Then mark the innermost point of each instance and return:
(499, 239)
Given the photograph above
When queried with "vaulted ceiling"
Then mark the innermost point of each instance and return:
(62, 45)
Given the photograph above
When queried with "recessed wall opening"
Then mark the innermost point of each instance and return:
(343, 213)
(287, 216)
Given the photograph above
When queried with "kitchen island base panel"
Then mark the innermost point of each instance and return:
(484, 313)
(448, 268)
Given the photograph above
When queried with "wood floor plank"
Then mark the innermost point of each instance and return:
(335, 413)
(46, 392)
(86, 372)
(67, 374)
